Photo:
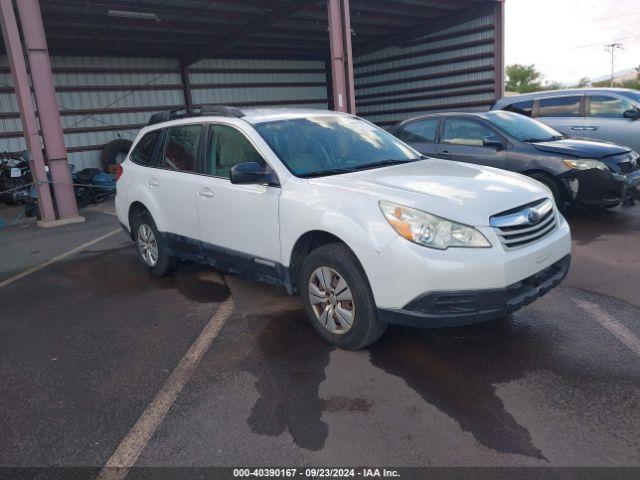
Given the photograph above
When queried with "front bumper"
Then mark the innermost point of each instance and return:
(600, 188)
(457, 308)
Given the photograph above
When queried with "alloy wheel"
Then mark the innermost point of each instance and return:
(148, 245)
(331, 300)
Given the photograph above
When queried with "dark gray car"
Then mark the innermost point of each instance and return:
(609, 114)
(592, 173)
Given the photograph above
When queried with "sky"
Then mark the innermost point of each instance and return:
(565, 38)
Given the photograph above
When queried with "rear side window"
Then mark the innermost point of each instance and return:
(420, 131)
(181, 148)
(462, 131)
(143, 153)
(229, 147)
(523, 108)
(560, 107)
(608, 107)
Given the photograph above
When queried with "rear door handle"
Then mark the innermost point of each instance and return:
(205, 192)
(576, 127)
(153, 182)
(445, 153)
(591, 128)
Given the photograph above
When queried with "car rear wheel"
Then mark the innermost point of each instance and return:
(151, 249)
(338, 299)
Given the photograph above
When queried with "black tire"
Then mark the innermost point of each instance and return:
(552, 185)
(166, 264)
(366, 327)
(111, 150)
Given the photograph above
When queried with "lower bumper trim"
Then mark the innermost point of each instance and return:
(451, 309)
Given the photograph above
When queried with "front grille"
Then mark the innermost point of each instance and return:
(525, 225)
(627, 163)
(627, 167)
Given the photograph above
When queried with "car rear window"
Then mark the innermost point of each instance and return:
(420, 131)
(142, 154)
(560, 107)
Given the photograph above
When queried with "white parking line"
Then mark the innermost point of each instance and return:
(130, 448)
(618, 330)
(57, 258)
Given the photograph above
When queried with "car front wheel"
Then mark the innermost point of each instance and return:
(338, 299)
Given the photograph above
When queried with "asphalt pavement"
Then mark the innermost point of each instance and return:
(88, 342)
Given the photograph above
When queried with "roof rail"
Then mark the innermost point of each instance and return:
(217, 110)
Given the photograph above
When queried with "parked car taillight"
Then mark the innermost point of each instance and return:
(118, 172)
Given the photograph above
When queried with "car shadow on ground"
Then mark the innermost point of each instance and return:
(455, 370)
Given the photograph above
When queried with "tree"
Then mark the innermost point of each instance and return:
(584, 82)
(523, 78)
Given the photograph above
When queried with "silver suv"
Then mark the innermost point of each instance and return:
(608, 114)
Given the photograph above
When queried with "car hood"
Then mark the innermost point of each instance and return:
(581, 148)
(466, 193)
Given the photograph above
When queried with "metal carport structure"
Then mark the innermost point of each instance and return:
(114, 62)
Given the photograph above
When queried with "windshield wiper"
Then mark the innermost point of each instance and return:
(330, 171)
(538, 140)
(384, 163)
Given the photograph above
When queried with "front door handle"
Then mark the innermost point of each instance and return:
(591, 128)
(205, 192)
(576, 127)
(445, 153)
(153, 182)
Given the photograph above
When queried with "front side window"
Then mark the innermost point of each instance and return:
(560, 107)
(523, 108)
(522, 128)
(329, 145)
(181, 148)
(420, 131)
(142, 154)
(229, 147)
(462, 131)
(608, 107)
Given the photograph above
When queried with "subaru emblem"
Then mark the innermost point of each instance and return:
(533, 217)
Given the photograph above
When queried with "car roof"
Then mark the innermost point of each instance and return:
(259, 115)
(568, 91)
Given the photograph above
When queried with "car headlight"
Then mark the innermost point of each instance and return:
(431, 231)
(585, 164)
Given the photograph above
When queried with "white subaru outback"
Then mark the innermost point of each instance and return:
(328, 205)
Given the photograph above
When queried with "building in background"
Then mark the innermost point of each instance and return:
(115, 62)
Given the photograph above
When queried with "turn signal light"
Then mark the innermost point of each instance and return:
(118, 172)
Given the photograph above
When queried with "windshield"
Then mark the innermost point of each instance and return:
(329, 145)
(631, 94)
(522, 128)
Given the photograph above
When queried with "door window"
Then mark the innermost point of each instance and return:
(142, 154)
(181, 148)
(560, 107)
(608, 107)
(462, 131)
(523, 108)
(420, 131)
(229, 147)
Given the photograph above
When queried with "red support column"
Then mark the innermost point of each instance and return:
(13, 45)
(341, 57)
(50, 124)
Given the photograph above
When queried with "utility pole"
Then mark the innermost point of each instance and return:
(612, 47)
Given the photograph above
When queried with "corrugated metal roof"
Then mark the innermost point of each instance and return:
(235, 28)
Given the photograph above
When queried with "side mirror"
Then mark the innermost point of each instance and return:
(631, 114)
(492, 142)
(252, 173)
